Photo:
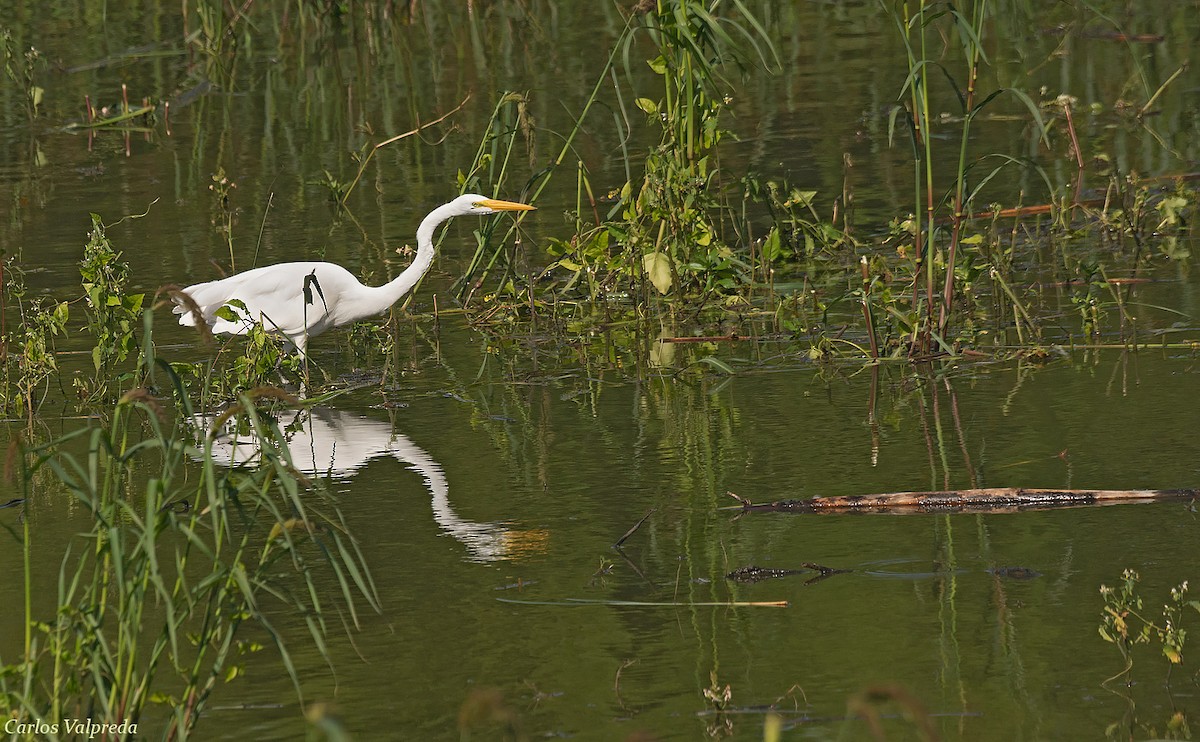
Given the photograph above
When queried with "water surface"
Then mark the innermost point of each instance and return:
(488, 492)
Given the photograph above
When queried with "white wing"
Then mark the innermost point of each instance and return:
(273, 295)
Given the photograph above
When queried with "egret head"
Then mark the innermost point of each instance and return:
(473, 203)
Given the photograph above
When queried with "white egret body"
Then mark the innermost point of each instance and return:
(301, 300)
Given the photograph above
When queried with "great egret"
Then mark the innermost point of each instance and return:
(301, 300)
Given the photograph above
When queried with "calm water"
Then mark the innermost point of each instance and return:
(490, 499)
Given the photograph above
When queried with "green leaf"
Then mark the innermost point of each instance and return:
(773, 246)
(226, 313)
(658, 64)
(557, 247)
(1170, 208)
(598, 245)
(647, 105)
(803, 197)
(658, 270)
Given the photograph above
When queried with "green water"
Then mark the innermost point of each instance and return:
(488, 493)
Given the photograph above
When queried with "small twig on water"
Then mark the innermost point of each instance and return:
(745, 503)
(617, 681)
(653, 604)
(631, 531)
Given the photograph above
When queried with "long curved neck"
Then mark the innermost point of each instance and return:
(391, 292)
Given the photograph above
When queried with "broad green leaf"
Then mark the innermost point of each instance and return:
(597, 245)
(647, 105)
(772, 247)
(658, 270)
(226, 313)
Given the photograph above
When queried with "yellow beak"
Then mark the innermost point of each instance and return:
(492, 203)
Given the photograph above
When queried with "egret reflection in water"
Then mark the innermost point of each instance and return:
(336, 443)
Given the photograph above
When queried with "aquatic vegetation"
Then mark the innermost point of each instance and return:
(113, 313)
(752, 267)
(154, 598)
(948, 277)
(22, 69)
(665, 227)
(30, 361)
(27, 353)
(223, 211)
(1124, 624)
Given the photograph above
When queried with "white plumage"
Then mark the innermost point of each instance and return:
(301, 300)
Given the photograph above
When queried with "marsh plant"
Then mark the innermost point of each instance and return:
(938, 226)
(491, 168)
(671, 217)
(113, 313)
(955, 273)
(667, 229)
(175, 562)
(28, 362)
(22, 67)
(1125, 624)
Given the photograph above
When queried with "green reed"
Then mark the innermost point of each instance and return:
(489, 171)
(935, 206)
(155, 596)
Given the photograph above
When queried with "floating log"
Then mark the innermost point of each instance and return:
(758, 574)
(994, 499)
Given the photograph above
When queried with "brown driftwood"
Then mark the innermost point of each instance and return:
(758, 574)
(995, 499)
